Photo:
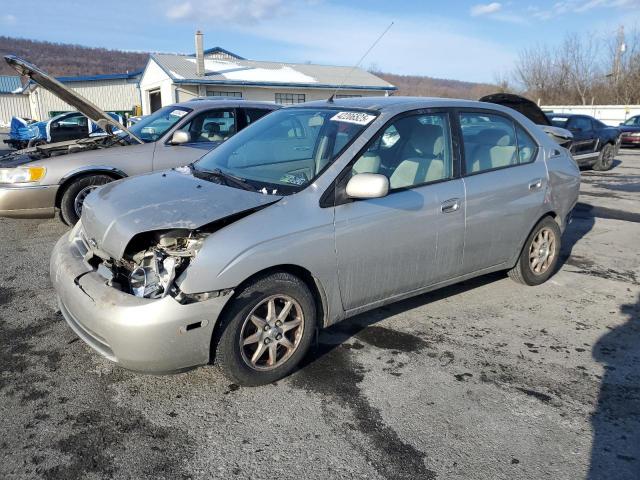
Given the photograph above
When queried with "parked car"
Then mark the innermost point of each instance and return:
(534, 113)
(594, 144)
(630, 131)
(315, 213)
(37, 182)
(26, 133)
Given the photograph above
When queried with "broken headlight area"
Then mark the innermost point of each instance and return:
(151, 263)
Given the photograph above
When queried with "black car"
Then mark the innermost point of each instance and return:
(594, 144)
(630, 129)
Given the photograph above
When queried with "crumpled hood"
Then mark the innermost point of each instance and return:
(115, 213)
(16, 158)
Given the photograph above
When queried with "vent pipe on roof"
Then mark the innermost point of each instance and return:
(199, 55)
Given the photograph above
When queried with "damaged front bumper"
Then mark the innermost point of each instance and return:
(146, 335)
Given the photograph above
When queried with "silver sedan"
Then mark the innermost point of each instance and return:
(312, 214)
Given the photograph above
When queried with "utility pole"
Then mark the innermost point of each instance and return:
(621, 47)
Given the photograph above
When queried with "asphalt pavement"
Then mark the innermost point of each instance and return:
(483, 380)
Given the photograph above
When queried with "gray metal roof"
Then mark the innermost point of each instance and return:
(182, 69)
(9, 83)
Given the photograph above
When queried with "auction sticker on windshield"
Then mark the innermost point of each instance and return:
(359, 118)
(178, 113)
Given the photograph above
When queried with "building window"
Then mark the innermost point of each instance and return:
(214, 93)
(348, 96)
(289, 98)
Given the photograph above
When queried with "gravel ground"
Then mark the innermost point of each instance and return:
(484, 380)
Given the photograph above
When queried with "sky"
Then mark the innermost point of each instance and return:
(463, 40)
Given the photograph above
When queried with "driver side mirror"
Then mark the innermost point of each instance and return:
(180, 137)
(368, 185)
(55, 125)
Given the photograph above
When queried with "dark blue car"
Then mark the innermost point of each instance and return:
(594, 144)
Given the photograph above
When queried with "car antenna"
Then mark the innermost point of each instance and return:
(348, 74)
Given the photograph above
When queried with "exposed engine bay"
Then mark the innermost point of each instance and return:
(39, 152)
(151, 263)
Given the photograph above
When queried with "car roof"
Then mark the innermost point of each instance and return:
(397, 103)
(202, 103)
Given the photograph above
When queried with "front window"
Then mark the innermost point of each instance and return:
(289, 98)
(286, 150)
(212, 126)
(153, 127)
(412, 151)
(632, 121)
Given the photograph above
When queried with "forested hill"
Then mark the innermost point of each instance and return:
(61, 59)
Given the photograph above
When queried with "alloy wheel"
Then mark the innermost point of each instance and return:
(542, 251)
(271, 333)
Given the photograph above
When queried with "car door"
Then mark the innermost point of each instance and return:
(505, 181)
(207, 129)
(584, 139)
(414, 236)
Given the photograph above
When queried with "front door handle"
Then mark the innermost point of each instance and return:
(450, 206)
(535, 184)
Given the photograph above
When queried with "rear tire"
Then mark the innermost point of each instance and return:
(605, 160)
(74, 195)
(539, 257)
(267, 330)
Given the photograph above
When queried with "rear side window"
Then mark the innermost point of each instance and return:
(489, 142)
(253, 114)
(493, 141)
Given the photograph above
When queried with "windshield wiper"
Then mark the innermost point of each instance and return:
(227, 177)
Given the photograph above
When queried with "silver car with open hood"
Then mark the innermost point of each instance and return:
(36, 182)
(315, 213)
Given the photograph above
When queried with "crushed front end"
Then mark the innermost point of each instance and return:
(130, 309)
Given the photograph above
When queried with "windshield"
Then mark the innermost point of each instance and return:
(153, 127)
(558, 121)
(632, 121)
(285, 151)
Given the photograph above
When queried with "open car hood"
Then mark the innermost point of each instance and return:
(115, 213)
(84, 106)
(533, 112)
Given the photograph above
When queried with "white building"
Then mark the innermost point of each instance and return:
(112, 93)
(170, 78)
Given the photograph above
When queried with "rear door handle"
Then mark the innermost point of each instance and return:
(450, 206)
(535, 184)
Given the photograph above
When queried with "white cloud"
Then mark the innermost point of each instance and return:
(224, 11)
(485, 9)
(8, 19)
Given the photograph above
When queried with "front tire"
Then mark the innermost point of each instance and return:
(267, 330)
(74, 195)
(605, 160)
(540, 254)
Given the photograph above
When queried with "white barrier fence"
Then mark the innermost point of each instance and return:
(13, 105)
(612, 115)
